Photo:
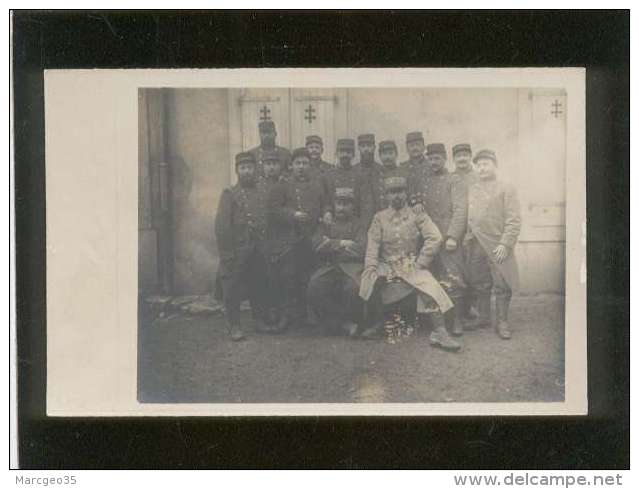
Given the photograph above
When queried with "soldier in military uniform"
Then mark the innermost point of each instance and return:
(462, 158)
(442, 196)
(343, 174)
(295, 208)
(268, 136)
(240, 230)
(369, 172)
(415, 148)
(374, 195)
(333, 290)
(315, 147)
(494, 223)
(396, 266)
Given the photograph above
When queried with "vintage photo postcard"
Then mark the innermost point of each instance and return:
(316, 242)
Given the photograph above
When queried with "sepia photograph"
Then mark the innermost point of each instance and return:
(352, 244)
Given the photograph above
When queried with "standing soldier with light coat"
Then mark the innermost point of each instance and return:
(494, 224)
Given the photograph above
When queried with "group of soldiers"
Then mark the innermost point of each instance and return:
(349, 247)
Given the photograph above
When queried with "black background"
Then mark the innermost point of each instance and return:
(597, 40)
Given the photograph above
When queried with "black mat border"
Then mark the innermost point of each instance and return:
(598, 40)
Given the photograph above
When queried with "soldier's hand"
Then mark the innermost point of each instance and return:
(346, 243)
(328, 218)
(451, 244)
(418, 208)
(301, 216)
(500, 253)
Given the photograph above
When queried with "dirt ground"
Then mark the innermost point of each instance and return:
(191, 359)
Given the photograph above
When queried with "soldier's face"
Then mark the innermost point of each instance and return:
(397, 197)
(486, 168)
(268, 137)
(301, 165)
(272, 168)
(388, 157)
(462, 161)
(415, 149)
(344, 156)
(366, 151)
(343, 209)
(246, 173)
(315, 150)
(437, 161)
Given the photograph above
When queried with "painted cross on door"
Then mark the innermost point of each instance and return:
(260, 105)
(313, 113)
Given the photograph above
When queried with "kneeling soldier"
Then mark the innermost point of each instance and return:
(240, 229)
(494, 223)
(394, 266)
(333, 291)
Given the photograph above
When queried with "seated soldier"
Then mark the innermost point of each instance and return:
(333, 288)
(394, 267)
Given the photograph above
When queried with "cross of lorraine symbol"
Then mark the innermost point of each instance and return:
(265, 111)
(556, 110)
(310, 111)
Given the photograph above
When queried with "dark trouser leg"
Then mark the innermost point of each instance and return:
(232, 294)
(321, 295)
(450, 271)
(503, 293)
(285, 271)
(304, 258)
(351, 304)
(255, 277)
(373, 316)
(480, 281)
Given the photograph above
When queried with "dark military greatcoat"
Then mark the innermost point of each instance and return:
(285, 199)
(284, 155)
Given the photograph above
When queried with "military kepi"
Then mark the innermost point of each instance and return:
(269, 155)
(414, 136)
(485, 154)
(436, 149)
(391, 183)
(366, 139)
(244, 157)
(344, 193)
(388, 144)
(266, 126)
(459, 148)
(298, 152)
(313, 138)
(346, 144)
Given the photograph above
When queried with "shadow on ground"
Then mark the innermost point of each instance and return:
(191, 359)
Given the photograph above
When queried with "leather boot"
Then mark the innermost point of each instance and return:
(502, 328)
(440, 337)
(281, 324)
(483, 319)
(259, 316)
(235, 331)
